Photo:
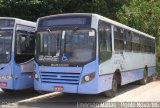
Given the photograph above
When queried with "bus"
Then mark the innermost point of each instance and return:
(17, 42)
(86, 53)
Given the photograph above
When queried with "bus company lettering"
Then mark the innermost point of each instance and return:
(59, 65)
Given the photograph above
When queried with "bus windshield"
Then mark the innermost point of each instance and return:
(5, 45)
(66, 46)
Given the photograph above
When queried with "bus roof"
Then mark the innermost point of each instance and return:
(123, 26)
(102, 18)
(21, 21)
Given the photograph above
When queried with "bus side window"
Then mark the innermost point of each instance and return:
(105, 41)
(128, 41)
(24, 45)
(153, 46)
(118, 38)
(136, 42)
(148, 45)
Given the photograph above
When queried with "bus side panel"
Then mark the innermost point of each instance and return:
(6, 80)
(23, 76)
(131, 76)
(105, 82)
(90, 87)
(151, 70)
(23, 81)
(132, 65)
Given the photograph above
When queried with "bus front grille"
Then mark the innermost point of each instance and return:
(60, 77)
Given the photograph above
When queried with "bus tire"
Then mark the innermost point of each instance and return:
(145, 78)
(112, 93)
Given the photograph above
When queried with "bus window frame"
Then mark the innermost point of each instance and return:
(10, 28)
(66, 28)
(111, 50)
(15, 40)
(122, 39)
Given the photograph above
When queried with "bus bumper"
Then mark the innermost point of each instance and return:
(6, 84)
(67, 88)
(90, 87)
(44, 82)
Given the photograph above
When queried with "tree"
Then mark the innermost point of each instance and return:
(114, 6)
(143, 15)
(86, 6)
(33, 9)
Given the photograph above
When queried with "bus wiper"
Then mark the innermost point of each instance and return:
(49, 30)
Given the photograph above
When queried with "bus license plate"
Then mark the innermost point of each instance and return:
(3, 84)
(58, 88)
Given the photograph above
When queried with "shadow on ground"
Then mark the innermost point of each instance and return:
(75, 100)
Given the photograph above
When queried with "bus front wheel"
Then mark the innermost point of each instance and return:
(112, 93)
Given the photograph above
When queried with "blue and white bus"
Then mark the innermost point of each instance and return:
(88, 54)
(16, 53)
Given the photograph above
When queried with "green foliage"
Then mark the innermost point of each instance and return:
(33, 9)
(143, 15)
(89, 6)
(114, 6)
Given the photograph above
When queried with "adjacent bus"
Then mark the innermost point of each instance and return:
(88, 54)
(16, 53)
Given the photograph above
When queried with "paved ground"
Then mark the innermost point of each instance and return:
(128, 93)
(13, 97)
(146, 93)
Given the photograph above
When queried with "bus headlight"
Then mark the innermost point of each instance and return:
(36, 76)
(88, 77)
